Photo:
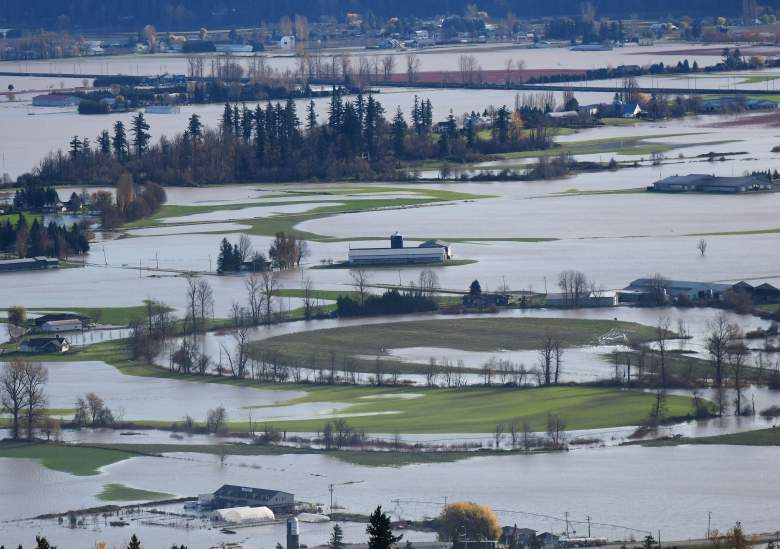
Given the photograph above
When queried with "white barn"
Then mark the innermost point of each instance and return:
(243, 515)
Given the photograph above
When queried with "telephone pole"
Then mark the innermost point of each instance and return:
(588, 519)
(330, 489)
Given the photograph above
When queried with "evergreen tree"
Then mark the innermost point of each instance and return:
(226, 125)
(416, 116)
(42, 543)
(246, 124)
(236, 121)
(336, 538)
(134, 543)
(119, 141)
(104, 142)
(311, 116)
(75, 147)
(399, 128)
(260, 135)
(195, 128)
(380, 535)
(336, 110)
(140, 131)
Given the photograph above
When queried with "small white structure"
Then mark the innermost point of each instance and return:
(243, 515)
(67, 325)
(287, 42)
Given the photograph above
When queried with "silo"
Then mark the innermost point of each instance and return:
(293, 533)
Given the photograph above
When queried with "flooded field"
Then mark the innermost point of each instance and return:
(625, 487)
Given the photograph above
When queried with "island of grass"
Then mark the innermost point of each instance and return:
(363, 344)
(120, 492)
(76, 460)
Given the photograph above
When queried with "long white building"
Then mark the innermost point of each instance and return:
(432, 251)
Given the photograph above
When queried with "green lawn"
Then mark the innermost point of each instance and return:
(480, 409)
(739, 233)
(76, 460)
(471, 334)
(120, 492)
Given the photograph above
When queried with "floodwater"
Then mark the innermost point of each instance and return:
(626, 487)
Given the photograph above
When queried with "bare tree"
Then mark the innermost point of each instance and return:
(35, 377)
(269, 283)
(720, 337)
(574, 285)
(192, 303)
(737, 356)
(308, 299)
(245, 250)
(205, 297)
(467, 65)
(412, 67)
(556, 430)
(361, 278)
(662, 334)
(254, 298)
(701, 245)
(558, 355)
(388, 66)
(546, 357)
(508, 65)
(659, 289)
(12, 393)
(498, 434)
(238, 358)
(428, 282)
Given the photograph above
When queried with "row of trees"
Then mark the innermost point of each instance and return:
(269, 144)
(34, 239)
(23, 397)
(286, 251)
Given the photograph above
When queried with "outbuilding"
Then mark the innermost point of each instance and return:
(66, 325)
(40, 345)
(55, 100)
(230, 495)
(243, 515)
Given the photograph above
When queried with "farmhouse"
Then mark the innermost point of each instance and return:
(431, 251)
(230, 495)
(45, 345)
(703, 183)
(29, 264)
(53, 317)
(55, 100)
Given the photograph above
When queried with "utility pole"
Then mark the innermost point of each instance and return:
(709, 523)
(330, 489)
(588, 519)
(566, 515)
(156, 260)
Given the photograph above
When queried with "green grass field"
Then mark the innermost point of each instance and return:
(475, 334)
(759, 437)
(480, 409)
(76, 460)
(120, 492)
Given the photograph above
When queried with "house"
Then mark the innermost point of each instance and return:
(704, 183)
(397, 254)
(547, 540)
(630, 110)
(517, 537)
(287, 42)
(230, 495)
(55, 100)
(29, 264)
(234, 48)
(39, 345)
(66, 325)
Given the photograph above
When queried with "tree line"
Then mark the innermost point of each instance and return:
(25, 239)
(272, 144)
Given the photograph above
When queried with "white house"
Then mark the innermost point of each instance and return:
(287, 42)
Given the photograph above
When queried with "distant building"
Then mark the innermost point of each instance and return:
(736, 103)
(40, 345)
(243, 515)
(704, 183)
(66, 325)
(485, 300)
(29, 264)
(512, 536)
(287, 42)
(559, 300)
(55, 100)
(762, 294)
(646, 290)
(54, 317)
(563, 114)
(630, 110)
(277, 501)
(234, 48)
(430, 251)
